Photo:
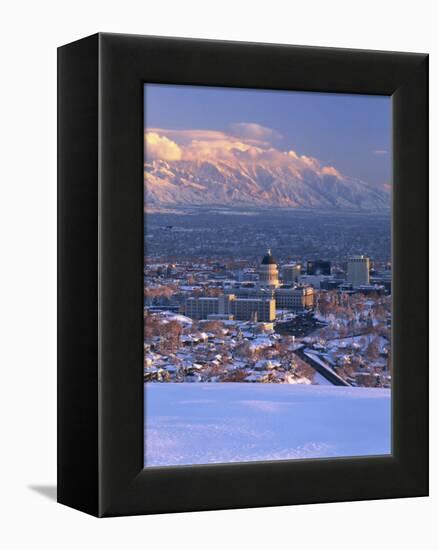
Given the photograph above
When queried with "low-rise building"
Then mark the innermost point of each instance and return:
(242, 309)
(201, 308)
(295, 298)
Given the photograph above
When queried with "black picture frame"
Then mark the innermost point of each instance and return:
(100, 274)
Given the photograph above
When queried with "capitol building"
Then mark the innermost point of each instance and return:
(287, 295)
(254, 300)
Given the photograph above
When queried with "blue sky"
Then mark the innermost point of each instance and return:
(350, 132)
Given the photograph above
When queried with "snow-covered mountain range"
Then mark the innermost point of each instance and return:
(258, 183)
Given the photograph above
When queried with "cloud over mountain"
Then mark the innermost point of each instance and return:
(251, 130)
(242, 167)
(160, 147)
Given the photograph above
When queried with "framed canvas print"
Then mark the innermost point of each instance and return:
(243, 293)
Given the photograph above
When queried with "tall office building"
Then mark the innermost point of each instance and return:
(318, 267)
(358, 270)
(290, 273)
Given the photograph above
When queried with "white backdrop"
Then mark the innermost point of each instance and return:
(30, 33)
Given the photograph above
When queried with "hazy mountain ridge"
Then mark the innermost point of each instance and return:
(256, 184)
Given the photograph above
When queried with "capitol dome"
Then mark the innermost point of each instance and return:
(268, 274)
(268, 259)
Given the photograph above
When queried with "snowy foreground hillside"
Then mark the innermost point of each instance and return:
(211, 423)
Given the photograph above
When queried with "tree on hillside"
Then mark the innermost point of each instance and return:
(373, 351)
(170, 334)
(215, 327)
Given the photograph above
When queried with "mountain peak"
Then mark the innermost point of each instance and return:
(257, 182)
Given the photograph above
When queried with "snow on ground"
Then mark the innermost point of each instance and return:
(383, 343)
(321, 380)
(170, 316)
(317, 359)
(226, 422)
